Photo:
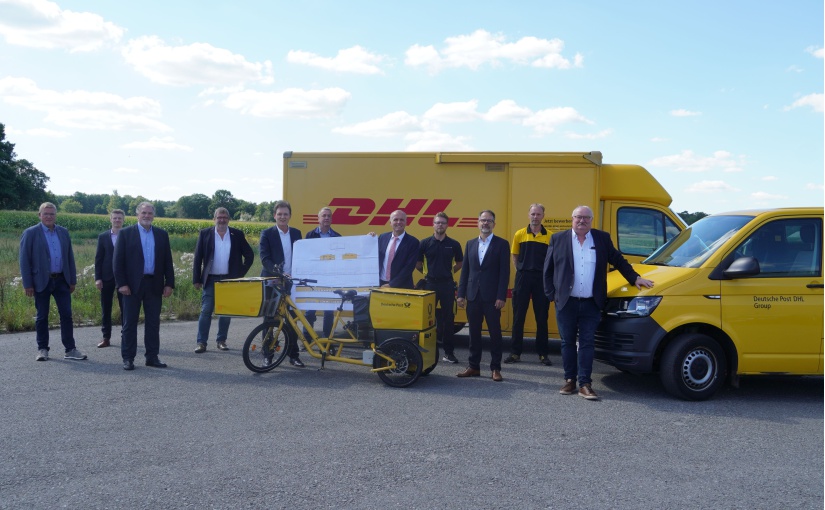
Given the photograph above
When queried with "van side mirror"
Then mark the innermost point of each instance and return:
(742, 267)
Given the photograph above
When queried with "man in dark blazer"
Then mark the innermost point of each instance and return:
(276, 249)
(482, 289)
(575, 279)
(48, 270)
(222, 252)
(397, 254)
(105, 276)
(144, 274)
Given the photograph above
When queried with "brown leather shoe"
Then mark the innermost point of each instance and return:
(587, 392)
(469, 372)
(497, 376)
(104, 343)
(569, 387)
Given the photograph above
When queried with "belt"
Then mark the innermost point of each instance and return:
(439, 280)
(219, 276)
(148, 275)
(581, 298)
(56, 275)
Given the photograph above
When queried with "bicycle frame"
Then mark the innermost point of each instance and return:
(319, 346)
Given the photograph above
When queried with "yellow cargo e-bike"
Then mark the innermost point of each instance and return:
(393, 328)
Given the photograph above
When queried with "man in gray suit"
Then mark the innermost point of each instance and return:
(575, 279)
(48, 270)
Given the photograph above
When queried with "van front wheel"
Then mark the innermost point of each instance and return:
(693, 367)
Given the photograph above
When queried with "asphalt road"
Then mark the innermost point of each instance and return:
(207, 433)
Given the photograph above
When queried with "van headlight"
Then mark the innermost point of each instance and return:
(639, 306)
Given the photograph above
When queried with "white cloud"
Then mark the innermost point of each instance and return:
(684, 113)
(44, 132)
(43, 24)
(392, 124)
(292, 103)
(453, 112)
(687, 161)
(396, 123)
(507, 110)
(590, 136)
(659, 139)
(815, 101)
(762, 196)
(546, 121)
(436, 141)
(350, 60)
(816, 52)
(814, 186)
(83, 109)
(710, 187)
(125, 170)
(193, 64)
(482, 47)
(158, 143)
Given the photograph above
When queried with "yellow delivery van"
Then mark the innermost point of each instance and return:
(735, 294)
(364, 188)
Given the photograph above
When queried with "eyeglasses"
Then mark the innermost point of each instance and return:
(486, 221)
(583, 218)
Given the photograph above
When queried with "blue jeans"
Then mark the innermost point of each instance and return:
(578, 320)
(205, 319)
(59, 289)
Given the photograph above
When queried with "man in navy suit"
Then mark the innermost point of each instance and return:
(276, 249)
(397, 254)
(222, 252)
(482, 289)
(575, 279)
(48, 270)
(105, 276)
(144, 274)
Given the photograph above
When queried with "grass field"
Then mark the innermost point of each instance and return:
(17, 311)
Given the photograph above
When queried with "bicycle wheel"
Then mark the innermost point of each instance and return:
(407, 360)
(266, 346)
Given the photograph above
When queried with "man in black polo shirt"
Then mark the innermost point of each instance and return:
(529, 249)
(439, 256)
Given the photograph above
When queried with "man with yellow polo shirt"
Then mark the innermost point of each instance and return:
(529, 249)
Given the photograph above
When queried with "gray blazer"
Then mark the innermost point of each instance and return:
(35, 261)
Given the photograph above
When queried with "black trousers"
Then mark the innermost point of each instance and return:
(106, 307)
(530, 285)
(445, 316)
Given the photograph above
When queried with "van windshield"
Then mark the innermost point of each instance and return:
(694, 245)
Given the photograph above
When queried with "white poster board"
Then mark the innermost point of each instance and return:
(349, 262)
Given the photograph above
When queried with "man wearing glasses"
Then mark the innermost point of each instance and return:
(442, 256)
(575, 279)
(482, 289)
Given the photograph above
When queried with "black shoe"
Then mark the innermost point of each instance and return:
(545, 360)
(296, 362)
(128, 364)
(513, 358)
(155, 363)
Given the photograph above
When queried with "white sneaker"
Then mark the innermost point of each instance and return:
(42, 355)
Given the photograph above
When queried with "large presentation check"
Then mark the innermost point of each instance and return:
(349, 262)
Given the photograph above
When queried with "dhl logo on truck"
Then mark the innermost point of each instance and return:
(359, 211)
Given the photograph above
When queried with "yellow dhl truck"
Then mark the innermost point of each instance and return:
(738, 293)
(364, 188)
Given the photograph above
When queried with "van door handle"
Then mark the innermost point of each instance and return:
(815, 285)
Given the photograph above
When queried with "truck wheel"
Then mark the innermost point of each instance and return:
(693, 367)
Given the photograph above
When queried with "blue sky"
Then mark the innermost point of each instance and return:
(721, 101)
